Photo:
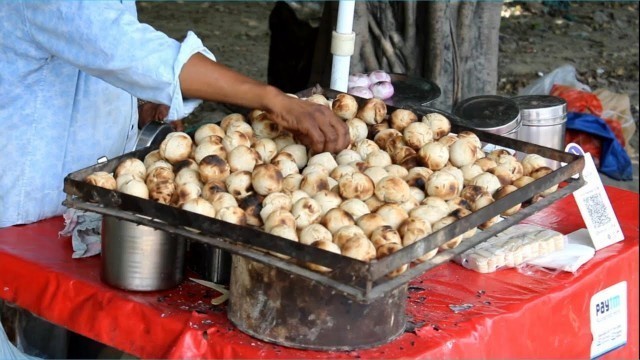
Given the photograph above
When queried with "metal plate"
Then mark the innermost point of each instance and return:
(491, 113)
(412, 91)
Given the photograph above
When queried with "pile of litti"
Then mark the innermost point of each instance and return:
(401, 178)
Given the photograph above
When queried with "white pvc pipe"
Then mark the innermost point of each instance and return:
(341, 63)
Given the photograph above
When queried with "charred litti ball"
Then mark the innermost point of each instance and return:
(373, 111)
(532, 162)
(365, 147)
(345, 106)
(131, 166)
(266, 178)
(417, 193)
(229, 119)
(373, 203)
(252, 205)
(211, 146)
(135, 187)
(347, 156)
(207, 130)
(275, 201)
(393, 214)
(314, 182)
(457, 173)
(336, 218)
(400, 153)
(448, 140)
(318, 99)
(264, 128)
(392, 189)
(342, 170)
(401, 118)
(388, 249)
(102, 179)
(412, 236)
(502, 173)
(540, 172)
(297, 195)
(291, 183)
(418, 176)
(417, 135)
(286, 166)
(394, 143)
(434, 155)
(163, 174)
(359, 248)
(283, 140)
(184, 193)
(243, 158)
(213, 167)
(299, 153)
(235, 139)
(266, 149)
(239, 183)
(376, 173)
(481, 202)
(375, 129)
(234, 215)
(458, 203)
(314, 232)
(369, 222)
(355, 207)
(470, 136)
(430, 213)
(469, 172)
(285, 232)
(439, 124)
(199, 206)
(280, 217)
(396, 170)
(488, 181)
(213, 187)
(462, 152)
(324, 245)
(383, 235)
(162, 191)
(504, 191)
(522, 181)
(361, 166)
(176, 147)
(358, 130)
(382, 137)
(443, 185)
(325, 159)
(486, 163)
(356, 185)
(345, 233)
(222, 200)
(378, 158)
(447, 220)
(306, 211)
(152, 157)
(242, 127)
(496, 154)
(472, 192)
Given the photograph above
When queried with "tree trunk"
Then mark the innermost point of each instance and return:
(454, 44)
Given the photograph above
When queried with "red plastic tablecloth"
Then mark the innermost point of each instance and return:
(534, 315)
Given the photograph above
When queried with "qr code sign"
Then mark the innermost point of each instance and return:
(597, 210)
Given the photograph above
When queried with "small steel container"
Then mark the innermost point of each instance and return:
(544, 120)
(140, 258)
(491, 113)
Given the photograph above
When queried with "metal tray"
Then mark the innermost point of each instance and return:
(363, 282)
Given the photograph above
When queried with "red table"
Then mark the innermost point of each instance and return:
(514, 315)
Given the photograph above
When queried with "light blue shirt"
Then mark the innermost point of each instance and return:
(70, 73)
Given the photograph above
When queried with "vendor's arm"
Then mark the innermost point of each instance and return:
(314, 124)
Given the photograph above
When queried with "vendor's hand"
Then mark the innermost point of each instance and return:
(148, 112)
(316, 126)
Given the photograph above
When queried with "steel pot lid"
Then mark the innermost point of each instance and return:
(541, 109)
(411, 91)
(491, 113)
(152, 134)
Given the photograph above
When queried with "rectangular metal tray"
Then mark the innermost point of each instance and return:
(361, 281)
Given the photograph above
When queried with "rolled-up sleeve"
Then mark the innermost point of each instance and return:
(105, 40)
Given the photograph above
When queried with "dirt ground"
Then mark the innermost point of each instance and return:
(599, 39)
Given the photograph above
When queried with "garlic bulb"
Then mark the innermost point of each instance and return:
(345, 106)
(266, 178)
(242, 158)
(239, 184)
(373, 111)
(102, 179)
(355, 207)
(401, 118)
(306, 211)
(199, 206)
(392, 189)
(417, 135)
(207, 130)
(434, 155)
(176, 147)
(440, 125)
(315, 232)
(131, 166)
(213, 167)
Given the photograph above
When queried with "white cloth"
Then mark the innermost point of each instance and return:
(84, 228)
(70, 73)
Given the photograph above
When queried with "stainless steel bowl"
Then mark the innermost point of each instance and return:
(140, 258)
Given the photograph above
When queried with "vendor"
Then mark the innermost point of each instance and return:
(71, 74)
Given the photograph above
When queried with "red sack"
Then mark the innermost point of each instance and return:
(588, 143)
(577, 100)
(616, 127)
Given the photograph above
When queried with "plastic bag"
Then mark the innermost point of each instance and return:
(564, 75)
(617, 108)
(9, 351)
